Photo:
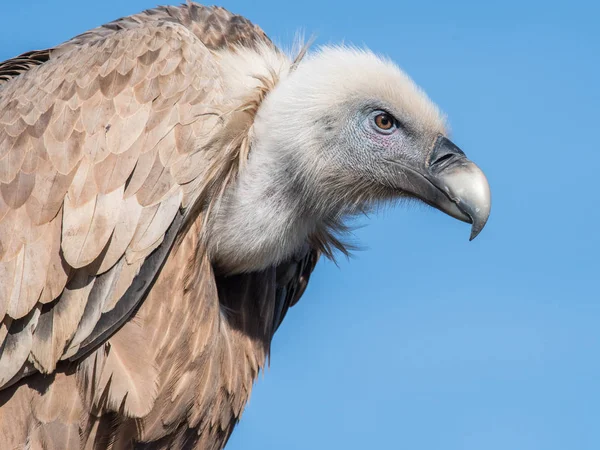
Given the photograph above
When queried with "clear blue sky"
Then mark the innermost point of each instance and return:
(424, 340)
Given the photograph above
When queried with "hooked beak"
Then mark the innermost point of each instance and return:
(450, 182)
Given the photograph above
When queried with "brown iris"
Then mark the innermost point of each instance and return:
(384, 121)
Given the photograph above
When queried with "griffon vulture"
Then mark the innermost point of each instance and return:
(167, 184)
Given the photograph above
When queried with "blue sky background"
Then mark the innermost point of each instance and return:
(424, 340)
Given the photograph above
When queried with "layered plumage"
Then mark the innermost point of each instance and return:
(166, 188)
(106, 142)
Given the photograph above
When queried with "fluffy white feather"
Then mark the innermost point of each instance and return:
(291, 187)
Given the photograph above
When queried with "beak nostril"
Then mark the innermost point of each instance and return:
(442, 158)
(444, 153)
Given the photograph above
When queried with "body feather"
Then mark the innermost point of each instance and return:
(114, 149)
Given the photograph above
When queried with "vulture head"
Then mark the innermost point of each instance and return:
(339, 133)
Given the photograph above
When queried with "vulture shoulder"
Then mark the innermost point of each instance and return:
(107, 143)
(96, 148)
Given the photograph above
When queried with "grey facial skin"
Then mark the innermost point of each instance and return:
(448, 181)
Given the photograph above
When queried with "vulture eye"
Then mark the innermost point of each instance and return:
(385, 121)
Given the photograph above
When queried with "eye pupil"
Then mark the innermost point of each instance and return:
(384, 121)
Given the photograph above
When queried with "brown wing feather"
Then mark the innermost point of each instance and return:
(214, 26)
(73, 132)
(22, 63)
(119, 113)
(193, 359)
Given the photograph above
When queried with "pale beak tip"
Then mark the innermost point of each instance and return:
(474, 232)
(476, 200)
(478, 221)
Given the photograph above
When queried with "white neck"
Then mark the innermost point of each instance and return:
(264, 218)
(269, 213)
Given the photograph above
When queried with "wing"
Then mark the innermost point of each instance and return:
(22, 63)
(175, 376)
(216, 27)
(104, 146)
(100, 151)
